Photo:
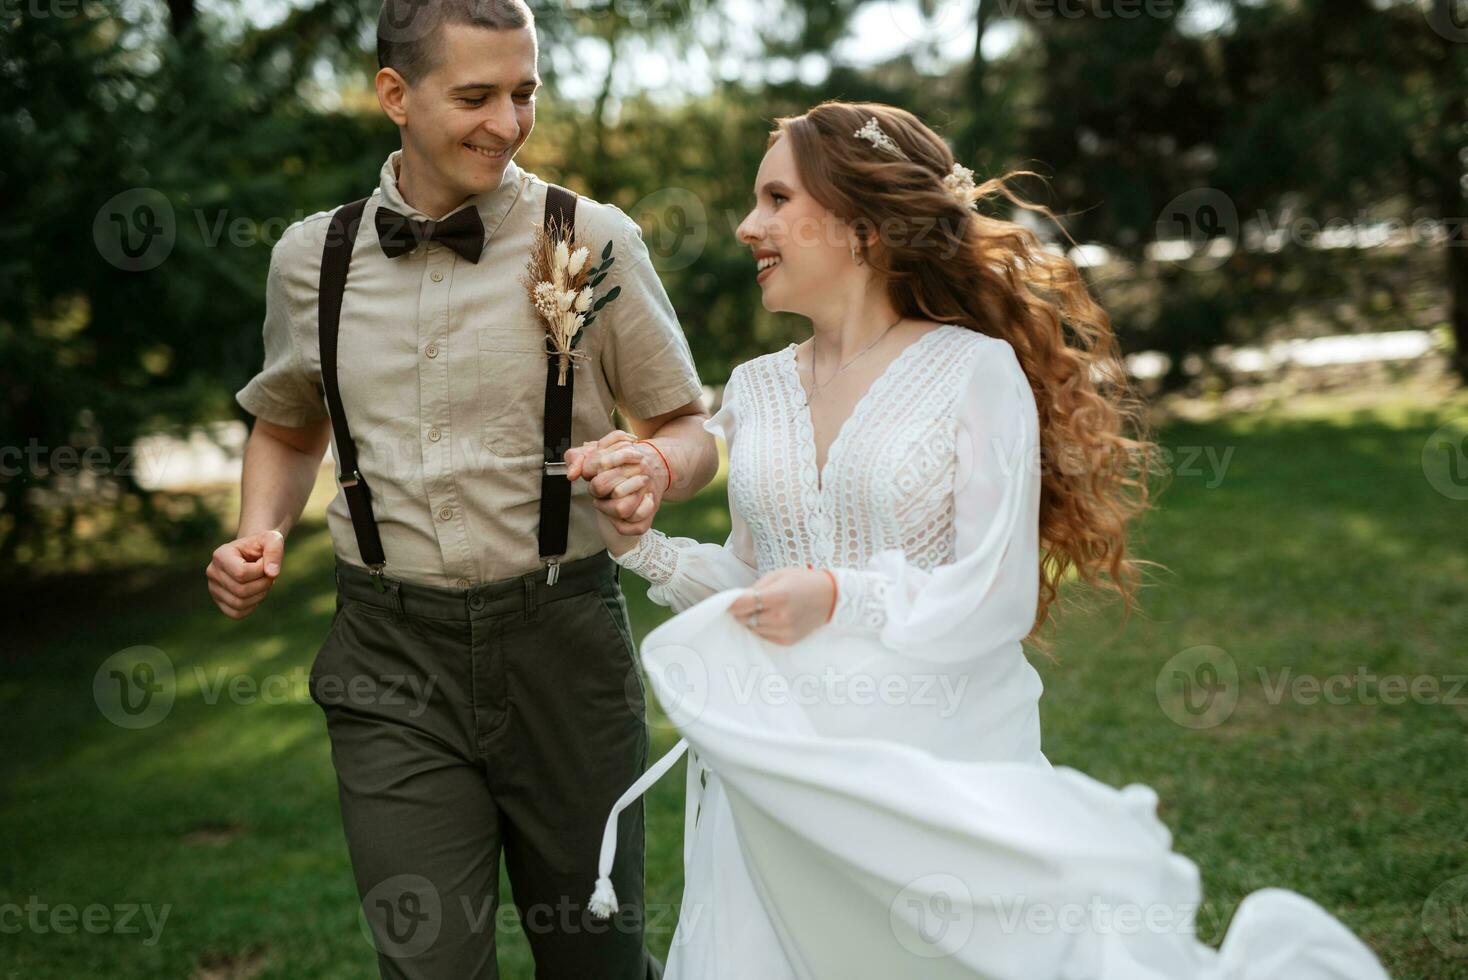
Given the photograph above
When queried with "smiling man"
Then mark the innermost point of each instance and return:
(479, 680)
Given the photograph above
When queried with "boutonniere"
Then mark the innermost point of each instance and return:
(562, 288)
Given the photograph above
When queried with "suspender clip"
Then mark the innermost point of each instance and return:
(555, 467)
(553, 572)
(376, 572)
(349, 481)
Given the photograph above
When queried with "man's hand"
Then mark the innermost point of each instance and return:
(241, 572)
(626, 479)
(793, 603)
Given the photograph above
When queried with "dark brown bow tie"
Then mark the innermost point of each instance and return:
(461, 231)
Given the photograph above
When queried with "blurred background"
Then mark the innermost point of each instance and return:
(1271, 201)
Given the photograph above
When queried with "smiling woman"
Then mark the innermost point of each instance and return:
(459, 80)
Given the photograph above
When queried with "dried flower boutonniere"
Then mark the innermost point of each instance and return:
(562, 288)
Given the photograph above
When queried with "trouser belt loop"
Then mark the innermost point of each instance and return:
(531, 612)
(395, 593)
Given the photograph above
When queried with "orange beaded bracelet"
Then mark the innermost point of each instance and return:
(835, 590)
(664, 458)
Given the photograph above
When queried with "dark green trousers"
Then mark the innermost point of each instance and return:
(464, 723)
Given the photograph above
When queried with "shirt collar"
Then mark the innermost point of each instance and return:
(493, 205)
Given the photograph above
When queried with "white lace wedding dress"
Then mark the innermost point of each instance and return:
(872, 801)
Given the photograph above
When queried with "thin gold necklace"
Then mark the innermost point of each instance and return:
(815, 387)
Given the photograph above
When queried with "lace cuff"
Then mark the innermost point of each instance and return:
(653, 558)
(861, 600)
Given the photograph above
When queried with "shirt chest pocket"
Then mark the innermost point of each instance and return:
(511, 405)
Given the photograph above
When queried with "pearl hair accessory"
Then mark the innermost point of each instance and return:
(873, 132)
(959, 181)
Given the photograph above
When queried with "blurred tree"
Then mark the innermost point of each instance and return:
(146, 178)
(181, 15)
(1310, 111)
(614, 23)
(1353, 111)
(156, 150)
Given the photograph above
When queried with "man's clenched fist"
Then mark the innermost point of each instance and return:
(242, 572)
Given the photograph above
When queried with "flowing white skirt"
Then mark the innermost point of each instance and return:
(867, 815)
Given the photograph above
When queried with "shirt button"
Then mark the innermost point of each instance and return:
(431, 350)
(463, 583)
(434, 435)
(437, 277)
(445, 512)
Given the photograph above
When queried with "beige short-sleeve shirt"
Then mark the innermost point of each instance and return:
(442, 371)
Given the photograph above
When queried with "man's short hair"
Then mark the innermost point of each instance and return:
(408, 30)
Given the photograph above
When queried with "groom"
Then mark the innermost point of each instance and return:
(479, 679)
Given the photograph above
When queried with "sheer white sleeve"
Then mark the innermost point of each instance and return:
(682, 572)
(989, 594)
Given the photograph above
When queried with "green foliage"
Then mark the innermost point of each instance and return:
(144, 185)
(120, 133)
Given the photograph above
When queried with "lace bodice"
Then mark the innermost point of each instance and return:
(888, 476)
(888, 484)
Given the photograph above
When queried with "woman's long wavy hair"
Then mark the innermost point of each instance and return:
(949, 262)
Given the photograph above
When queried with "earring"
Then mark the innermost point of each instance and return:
(854, 256)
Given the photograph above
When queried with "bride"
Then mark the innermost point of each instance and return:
(908, 489)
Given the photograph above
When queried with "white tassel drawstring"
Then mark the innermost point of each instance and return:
(604, 897)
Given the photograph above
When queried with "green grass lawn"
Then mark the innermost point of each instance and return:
(1321, 549)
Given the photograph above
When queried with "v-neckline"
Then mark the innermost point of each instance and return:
(888, 372)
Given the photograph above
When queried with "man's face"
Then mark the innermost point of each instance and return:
(467, 117)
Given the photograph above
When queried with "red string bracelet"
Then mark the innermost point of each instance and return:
(835, 590)
(665, 461)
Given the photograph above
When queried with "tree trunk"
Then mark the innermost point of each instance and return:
(180, 16)
(602, 178)
(976, 109)
(1453, 202)
(1456, 270)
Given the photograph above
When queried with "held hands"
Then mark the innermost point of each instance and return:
(791, 603)
(241, 572)
(626, 479)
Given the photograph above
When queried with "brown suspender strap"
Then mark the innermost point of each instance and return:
(555, 489)
(336, 257)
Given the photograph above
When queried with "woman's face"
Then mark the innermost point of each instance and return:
(801, 250)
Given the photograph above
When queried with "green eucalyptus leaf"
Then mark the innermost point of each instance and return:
(607, 298)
